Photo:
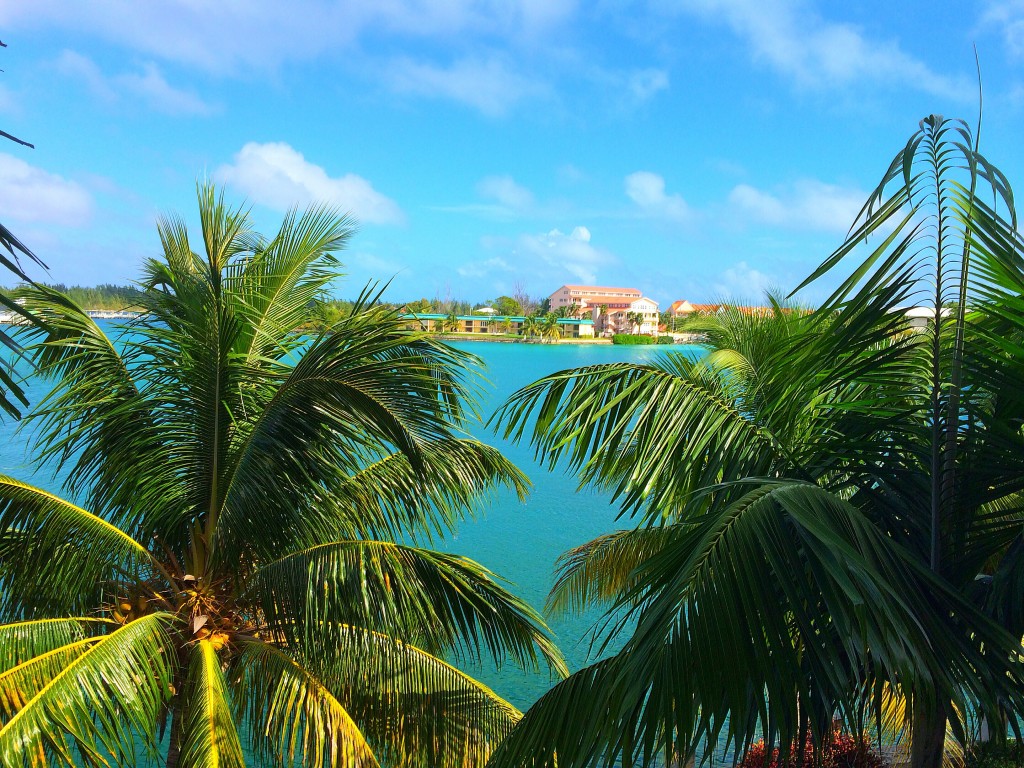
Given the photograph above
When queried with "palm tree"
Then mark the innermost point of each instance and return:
(506, 325)
(450, 323)
(531, 326)
(635, 320)
(232, 566)
(549, 327)
(829, 505)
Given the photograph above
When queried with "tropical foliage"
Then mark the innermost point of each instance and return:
(244, 564)
(829, 509)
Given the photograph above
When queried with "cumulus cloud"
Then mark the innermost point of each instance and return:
(794, 40)
(30, 194)
(807, 204)
(741, 282)
(647, 190)
(148, 85)
(279, 177)
(506, 192)
(486, 84)
(561, 253)
(1007, 16)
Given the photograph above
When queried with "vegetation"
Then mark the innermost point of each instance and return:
(105, 296)
(232, 572)
(633, 338)
(996, 755)
(829, 506)
(844, 751)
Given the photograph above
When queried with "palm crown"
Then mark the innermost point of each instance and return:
(244, 563)
(830, 504)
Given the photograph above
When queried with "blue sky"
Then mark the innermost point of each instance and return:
(693, 149)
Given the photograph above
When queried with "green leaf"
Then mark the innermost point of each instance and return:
(208, 735)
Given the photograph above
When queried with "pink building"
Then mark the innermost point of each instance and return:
(609, 307)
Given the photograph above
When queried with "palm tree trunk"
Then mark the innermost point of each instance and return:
(174, 747)
(928, 737)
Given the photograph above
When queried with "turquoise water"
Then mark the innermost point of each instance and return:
(520, 541)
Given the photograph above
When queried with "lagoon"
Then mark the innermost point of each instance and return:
(519, 541)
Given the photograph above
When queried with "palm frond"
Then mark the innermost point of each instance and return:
(444, 602)
(652, 434)
(362, 392)
(277, 285)
(414, 708)
(97, 702)
(391, 498)
(603, 569)
(292, 714)
(54, 554)
(25, 640)
(208, 734)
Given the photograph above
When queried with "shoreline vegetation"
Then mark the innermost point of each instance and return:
(538, 326)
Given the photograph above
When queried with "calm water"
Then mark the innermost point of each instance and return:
(518, 540)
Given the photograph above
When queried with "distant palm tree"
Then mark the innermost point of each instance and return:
(549, 326)
(635, 320)
(234, 561)
(450, 323)
(531, 326)
(506, 325)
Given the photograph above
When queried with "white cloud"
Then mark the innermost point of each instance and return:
(149, 85)
(647, 190)
(807, 204)
(30, 194)
(560, 253)
(1008, 17)
(645, 83)
(741, 282)
(72, 64)
(791, 37)
(488, 85)
(161, 95)
(262, 34)
(279, 177)
(485, 267)
(506, 192)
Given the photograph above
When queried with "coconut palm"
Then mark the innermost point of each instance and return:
(549, 327)
(244, 561)
(635, 319)
(450, 323)
(829, 505)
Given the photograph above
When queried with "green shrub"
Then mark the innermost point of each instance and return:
(666, 340)
(632, 338)
(1007, 755)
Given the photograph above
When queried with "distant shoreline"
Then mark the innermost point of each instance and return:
(521, 340)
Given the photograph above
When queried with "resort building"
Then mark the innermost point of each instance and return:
(568, 327)
(613, 310)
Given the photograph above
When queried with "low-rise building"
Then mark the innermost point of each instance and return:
(569, 327)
